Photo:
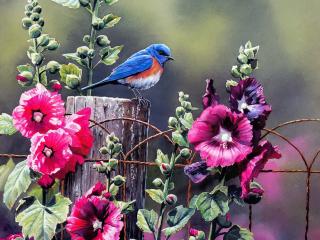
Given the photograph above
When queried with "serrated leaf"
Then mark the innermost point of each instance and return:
(6, 125)
(5, 171)
(68, 3)
(177, 219)
(25, 68)
(179, 139)
(18, 182)
(110, 55)
(156, 195)
(110, 2)
(213, 204)
(126, 207)
(238, 233)
(147, 220)
(40, 221)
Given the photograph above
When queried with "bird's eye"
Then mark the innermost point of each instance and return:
(163, 53)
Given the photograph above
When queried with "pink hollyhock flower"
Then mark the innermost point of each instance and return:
(50, 152)
(222, 137)
(39, 111)
(77, 125)
(210, 98)
(255, 163)
(94, 216)
(17, 236)
(46, 181)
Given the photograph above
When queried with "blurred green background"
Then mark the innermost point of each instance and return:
(204, 37)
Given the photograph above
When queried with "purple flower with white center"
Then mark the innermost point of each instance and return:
(197, 172)
(248, 98)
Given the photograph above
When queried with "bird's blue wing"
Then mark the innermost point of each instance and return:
(133, 65)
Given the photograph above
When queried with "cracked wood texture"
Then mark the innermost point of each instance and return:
(129, 133)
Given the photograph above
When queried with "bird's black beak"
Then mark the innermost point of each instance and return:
(170, 58)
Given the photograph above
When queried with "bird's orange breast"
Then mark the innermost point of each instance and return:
(155, 69)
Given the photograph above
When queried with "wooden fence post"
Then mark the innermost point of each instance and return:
(130, 133)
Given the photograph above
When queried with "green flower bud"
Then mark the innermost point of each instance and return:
(110, 145)
(249, 52)
(117, 148)
(180, 111)
(35, 3)
(100, 167)
(119, 180)
(35, 16)
(91, 53)
(157, 182)
(185, 153)
(181, 94)
(36, 58)
(173, 122)
(165, 168)
(26, 23)
(37, 9)
(82, 52)
(27, 13)
(235, 72)
(84, 3)
(113, 164)
(102, 41)
(186, 105)
(41, 22)
(73, 81)
(53, 67)
(35, 31)
(86, 39)
(104, 150)
(242, 58)
(231, 83)
(246, 69)
(53, 45)
(43, 40)
(98, 24)
(29, 7)
(171, 199)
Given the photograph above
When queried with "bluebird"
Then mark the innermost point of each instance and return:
(141, 71)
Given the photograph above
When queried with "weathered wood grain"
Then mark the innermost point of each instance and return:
(129, 133)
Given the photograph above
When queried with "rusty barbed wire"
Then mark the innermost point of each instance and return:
(164, 134)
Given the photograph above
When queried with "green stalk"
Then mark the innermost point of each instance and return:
(35, 45)
(212, 232)
(95, 12)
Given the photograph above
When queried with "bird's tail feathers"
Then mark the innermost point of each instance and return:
(98, 84)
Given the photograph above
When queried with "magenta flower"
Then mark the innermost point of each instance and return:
(94, 216)
(197, 171)
(210, 98)
(255, 163)
(222, 137)
(15, 237)
(248, 98)
(39, 111)
(50, 152)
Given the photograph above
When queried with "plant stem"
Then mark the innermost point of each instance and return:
(35, 45)
(44, 196)
(95, 7)
(212, 232)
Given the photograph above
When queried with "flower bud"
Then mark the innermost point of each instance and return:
(196, 234)
(24, 78)
(224, 221)
(41, 22)
(231, 83)
(119, 180)
(165, 168)
(102, 41)
(181, 94)
(53, 45)
(185, 153)
(35, 31)
(98, 24)
(171, 199)
(43, 40)
(26, 23)
(35, 16)
(186, 105)
(255, 194)
(173, 122)
(104, 150)
(73, 81)
(110, 145)
(37, 9)
(82, 52)
(113, 164)
(28, 13)
(84, 3)
(55, 85)
(91, 53)
(29, 7)
(35, 3)
(36, 58)
(157, 182)
(242, 58)
(180, 111)
(100, 167)
(86, 39)
(246, 69)
(235, 72)
(117, 148)
(53, 67)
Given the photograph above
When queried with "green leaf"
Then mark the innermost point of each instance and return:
(177, 219)
(147, 220)
(156, 195)
(18, 182)
(211, 205)
(110, 20)
(110, 2)
(76, 58)
(114, 189)
(126, 207)
(68, 3)
(6, 125)
(5, 170)
(40, 221)
(179, 139)
(238, 233)
(193, 201)
(25, 68)
(69, 69)
(110, 55)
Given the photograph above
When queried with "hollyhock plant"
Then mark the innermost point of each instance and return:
(95, 216)
(39, 111)
(247, 97)
(255, 162)
(222, 137)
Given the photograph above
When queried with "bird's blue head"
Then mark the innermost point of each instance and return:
(161, 52)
